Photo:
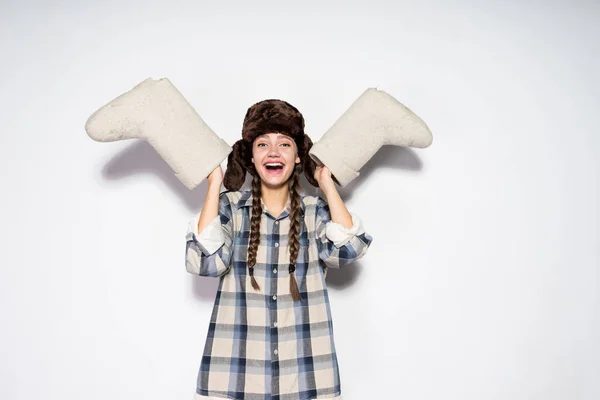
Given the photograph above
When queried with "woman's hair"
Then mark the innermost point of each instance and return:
(271, 116)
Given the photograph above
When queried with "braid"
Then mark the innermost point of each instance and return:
(254, 228)
(294, 233)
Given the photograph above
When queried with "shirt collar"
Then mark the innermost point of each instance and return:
(246, 201)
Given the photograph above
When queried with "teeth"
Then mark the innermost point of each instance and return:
(273, 164)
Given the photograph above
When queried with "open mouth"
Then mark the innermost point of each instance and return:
(274, 168)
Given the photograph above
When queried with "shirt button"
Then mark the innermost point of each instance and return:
(274, 270)
(276, 244)
(275, 351)
(275, 324)
(274, 297)
(276, 222)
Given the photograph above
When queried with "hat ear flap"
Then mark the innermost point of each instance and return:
(308, 164)
(235, 174)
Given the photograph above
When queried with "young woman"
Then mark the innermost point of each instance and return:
(271, 334)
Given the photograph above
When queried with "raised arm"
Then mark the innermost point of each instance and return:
(341, 237)
(210, 234)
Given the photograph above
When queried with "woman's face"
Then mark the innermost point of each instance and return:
(274, 156)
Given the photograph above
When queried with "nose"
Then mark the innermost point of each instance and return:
(274, 152)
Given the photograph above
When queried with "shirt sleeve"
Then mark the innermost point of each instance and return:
(208, 253)
(338, 245)
(211, 238)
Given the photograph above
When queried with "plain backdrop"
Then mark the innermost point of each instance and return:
(482, 280)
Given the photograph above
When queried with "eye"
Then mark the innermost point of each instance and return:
(260, 144)
(286, 144)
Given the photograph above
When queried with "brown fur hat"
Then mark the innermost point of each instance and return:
(268, 116)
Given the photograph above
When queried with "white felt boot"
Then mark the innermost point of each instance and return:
(156, 111)
(373, 120)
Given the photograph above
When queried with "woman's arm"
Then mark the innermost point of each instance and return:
(341, 238)
(337, 208)
(210, 210)
(209, 239)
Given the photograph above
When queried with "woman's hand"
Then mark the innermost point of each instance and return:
(323, 177)
(216, 176)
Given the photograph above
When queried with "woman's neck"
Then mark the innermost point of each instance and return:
(275, 198)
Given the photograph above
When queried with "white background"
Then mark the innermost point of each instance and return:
(482, 281)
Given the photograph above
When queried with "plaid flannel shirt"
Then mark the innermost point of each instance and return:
(263, 345)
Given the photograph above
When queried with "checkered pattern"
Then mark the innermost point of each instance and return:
(263, 345)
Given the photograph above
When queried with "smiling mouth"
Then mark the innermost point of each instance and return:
(274, 168)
